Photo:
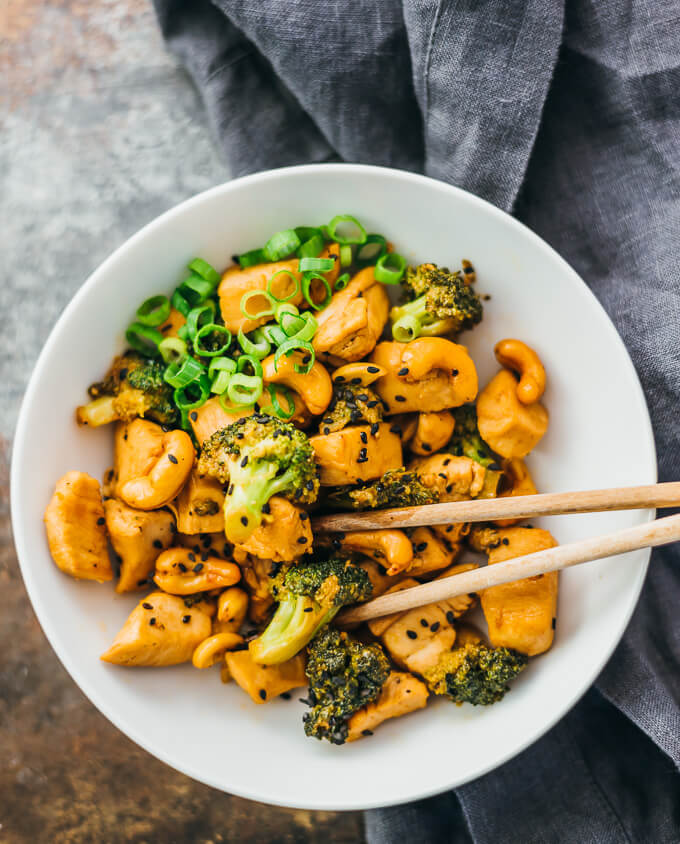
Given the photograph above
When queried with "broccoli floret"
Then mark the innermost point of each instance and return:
(439, 302)
(260, 456)
(343, 675)
(134, 386)
(351, 404)
(466, 440)
(484, 537)
(396, 488)
(310, 594)
(475, 673)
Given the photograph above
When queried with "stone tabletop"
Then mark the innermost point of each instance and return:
(100, 131)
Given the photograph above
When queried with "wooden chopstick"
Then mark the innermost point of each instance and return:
(649, 535)
(521, 506)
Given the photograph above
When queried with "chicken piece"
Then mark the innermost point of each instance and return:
(350, 326)
(236, 281)
(199, 505)
(402, 693)
(74, 521)
(419, 636)
(138, 537)
(284, 535)
(137, 446)
(353, 455)
(264, 682)
(211, 417)
(256, 577)
(510, 428)
(391, 548)
(454, 478)
(521, 614)
(519, 482)
(436, 375)
(161, 630)
(430, 553)
(180, 571)
(453, 534)
(433, 431)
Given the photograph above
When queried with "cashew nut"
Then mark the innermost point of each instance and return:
(392, 548)
(232, 606)
(212, 650)
(166, 476)
(367, 373)
(516, 355)
(314, 388)
(180, 571)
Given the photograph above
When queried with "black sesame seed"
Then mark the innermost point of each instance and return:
(310, 485)
(230, 490)
(372, 369)
(326, 430)
(302, 540)
(152, 621)
(363, 437)
(449, 488)
(412, 634)
(123, 374)
(339, 379)
(424, 622)
(181, 567)
(244, 520)
(197, 567)
(447, 461)
(355, 381)
(421, 546)
(285, 695)
(101, 520)
(244, 461)
(442, 475)
(386, 406)
(147, 605)
(172, 459)
(204, 556)
(193, 416)
(505, 541)
(263, 694)
(186, 619)
(207, 539)
(454, 372)
(434, 627)
(308, 609)
(142, 582)
(192, 556)
(449, 529)
(450, 617)
(304, 516)
(367, 732)
(362, 397)
(400, 398)
(374, 429)
(426, 447)
(403, 371)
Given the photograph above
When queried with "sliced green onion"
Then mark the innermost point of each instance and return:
(294, 344)
(321, 265)
(154, 311)
(205, 270)
(285, 308)
(252, 294)
(183, 333)
(193, 395)
(197, 317)
(307, 232)
(303, 329)
(250, 259)
(307, 280)
(290, 296)
(341, 281)
(244, 390)
(291, 324)
(389, 268)
(275, 334)
(258, 347)
(345, 255)
(179, 303)
(195, 289)
(219, 373)
(172, 349)
(249, 361)
(212, 329)
(354, 232)
(405, 329)
(273, 390)
(281, 245)
(143, 338)
(312, 247)
(181, 373)
(369, 252)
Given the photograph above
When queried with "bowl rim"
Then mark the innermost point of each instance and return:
(19, 527)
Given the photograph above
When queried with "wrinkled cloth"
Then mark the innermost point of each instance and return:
(566, 114)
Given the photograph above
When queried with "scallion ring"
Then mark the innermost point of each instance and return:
(290, 296)
(258, 347)
(291, 324)
(344, 228)
(345, 255)
(275, 334)
(405, 329)
(172, 349)
(303, 327)
(291, 345)
(195, 289)
(341, 281)
(179, 302)
(219, 373)
(374, 248)
(249, 361)
(197, 317)
(254, 294)
(307, 280)
(210, 333)
(143, 338)
(321, 265)
(281, 245)
(193, 395)
(311, 248)
(252, 258)
(285, 308)
(274, 390)
(180, 373)
(306, 233)
(154, 311)
(389, 268)
(244, 390)
(205, 270)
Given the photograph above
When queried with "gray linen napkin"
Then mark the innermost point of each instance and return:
(568, 115)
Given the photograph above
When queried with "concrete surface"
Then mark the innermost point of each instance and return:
(99, 132)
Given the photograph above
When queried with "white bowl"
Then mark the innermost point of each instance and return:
(599, 436)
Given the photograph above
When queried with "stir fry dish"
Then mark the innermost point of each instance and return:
(250, 400)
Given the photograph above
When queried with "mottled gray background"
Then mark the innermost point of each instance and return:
(99, 133)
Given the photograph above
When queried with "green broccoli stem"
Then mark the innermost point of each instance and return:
(414, 320)
(295, 623)
(250, 488)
